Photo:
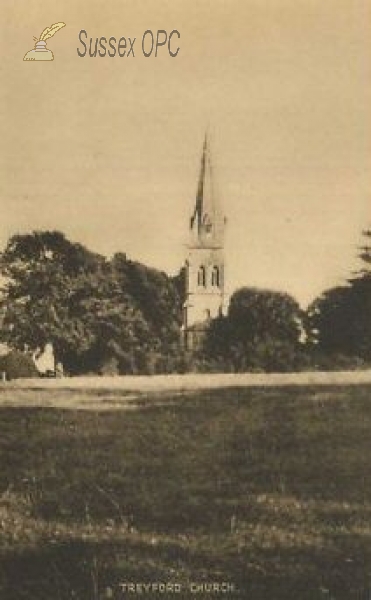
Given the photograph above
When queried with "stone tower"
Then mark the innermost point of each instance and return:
(205, 269)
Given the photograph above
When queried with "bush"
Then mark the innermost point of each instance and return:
(335, 361)
(17, 365)
(109, 367)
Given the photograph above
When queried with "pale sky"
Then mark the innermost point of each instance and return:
(107, 150)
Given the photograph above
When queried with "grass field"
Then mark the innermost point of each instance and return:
(266, 490)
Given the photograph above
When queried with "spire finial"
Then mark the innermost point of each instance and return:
(207, 136)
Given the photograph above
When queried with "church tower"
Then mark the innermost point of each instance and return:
(205, 269)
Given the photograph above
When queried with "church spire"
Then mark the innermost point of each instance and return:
(204, 267)
(207, 222)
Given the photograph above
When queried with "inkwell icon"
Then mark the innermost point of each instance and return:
(41, 52)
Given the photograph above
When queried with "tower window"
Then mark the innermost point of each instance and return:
(207, 224)
(215, 277)
(201, 276)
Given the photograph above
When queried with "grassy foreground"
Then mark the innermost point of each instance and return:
(266, 491)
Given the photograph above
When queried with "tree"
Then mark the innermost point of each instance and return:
(114, 330)
(261, 331)
(157, 298)
(99, 315)
(256, 314)
(58, 292)
(39, 269)
(339, 321)
(329, 320)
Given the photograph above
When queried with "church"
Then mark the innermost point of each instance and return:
(204, 266)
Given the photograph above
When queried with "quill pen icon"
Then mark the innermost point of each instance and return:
(41, 52)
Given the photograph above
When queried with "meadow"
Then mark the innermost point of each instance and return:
(266, 489)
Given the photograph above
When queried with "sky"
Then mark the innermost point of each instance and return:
(108, 150)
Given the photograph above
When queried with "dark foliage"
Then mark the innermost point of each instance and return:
(101, 316)
(260, 333)
(118, 316)
(17, 365)
(338, 323)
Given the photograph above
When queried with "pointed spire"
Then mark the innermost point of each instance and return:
(207, 220)
(198, 211)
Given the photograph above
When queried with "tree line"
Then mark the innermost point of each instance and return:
(117, 316)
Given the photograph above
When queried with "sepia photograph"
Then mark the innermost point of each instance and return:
(185, 300)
